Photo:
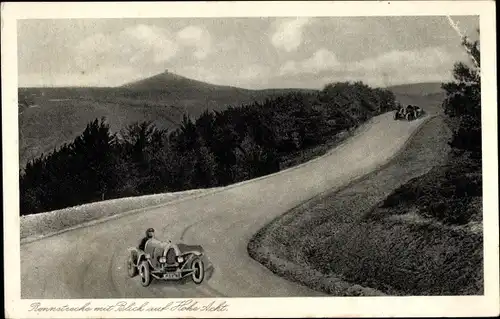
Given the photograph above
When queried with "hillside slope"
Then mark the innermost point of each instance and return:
(50, 117)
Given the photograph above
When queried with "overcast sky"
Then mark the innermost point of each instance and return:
(246, 52)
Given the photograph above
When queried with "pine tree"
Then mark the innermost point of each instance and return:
(463, 102)
(93, 163)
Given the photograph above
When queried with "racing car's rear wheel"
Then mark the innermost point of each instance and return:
(198, 271)
(131, 268)
(145, 274)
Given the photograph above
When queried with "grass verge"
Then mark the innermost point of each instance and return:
(43, 224)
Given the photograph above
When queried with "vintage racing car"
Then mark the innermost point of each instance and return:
(166, 261)
(410, 113)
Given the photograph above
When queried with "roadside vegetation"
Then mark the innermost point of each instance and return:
(215, 149)
(414, 228)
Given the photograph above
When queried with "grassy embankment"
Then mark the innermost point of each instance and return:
(411, 241)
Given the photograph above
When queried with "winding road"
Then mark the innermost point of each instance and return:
(89, 262)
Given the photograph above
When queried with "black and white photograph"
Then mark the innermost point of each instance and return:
(166, 165)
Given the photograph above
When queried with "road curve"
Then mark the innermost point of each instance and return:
(90, 262)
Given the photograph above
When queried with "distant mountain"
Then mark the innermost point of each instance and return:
(174, 82)
(183, 88)
(418, 88)
(49, 117)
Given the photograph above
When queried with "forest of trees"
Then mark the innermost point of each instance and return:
(216, 149)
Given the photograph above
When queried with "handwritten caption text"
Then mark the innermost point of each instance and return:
(189, 305)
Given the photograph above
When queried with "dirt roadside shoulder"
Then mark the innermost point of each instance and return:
(37, 226)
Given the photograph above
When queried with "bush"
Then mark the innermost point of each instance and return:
(463, 101)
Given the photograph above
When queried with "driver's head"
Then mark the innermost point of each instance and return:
(150, 233)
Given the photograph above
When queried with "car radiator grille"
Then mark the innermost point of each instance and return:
(171, 256)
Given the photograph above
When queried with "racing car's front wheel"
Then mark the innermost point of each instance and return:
(145, 273)
(131, 268)
(198, 271)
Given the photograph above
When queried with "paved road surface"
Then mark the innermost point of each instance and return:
(90, 262)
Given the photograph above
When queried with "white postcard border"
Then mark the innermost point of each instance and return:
(458, 306)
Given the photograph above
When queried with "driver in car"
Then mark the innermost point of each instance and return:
(150, 233)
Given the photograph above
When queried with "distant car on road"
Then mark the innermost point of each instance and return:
(410, 112)
(166, 261)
